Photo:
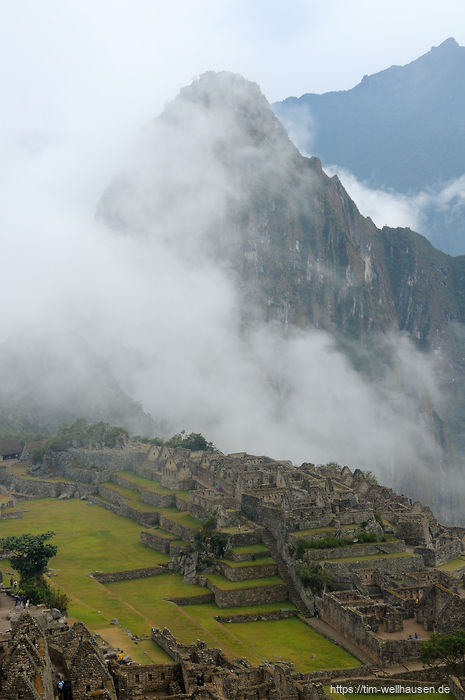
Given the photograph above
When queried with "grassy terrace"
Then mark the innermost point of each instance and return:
(453, 564)
(131, 498)
(225, 585)
(152, 485)
(234, 530)
(258, 562)
(369, 557)
(250, 549)
(91, 538)
(182, 518)
(20, 469)
(321, 530)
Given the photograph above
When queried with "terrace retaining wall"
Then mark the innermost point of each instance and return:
(112, 577)
(258, 595)
(243, 573)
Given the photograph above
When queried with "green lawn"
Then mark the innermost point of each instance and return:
(21, 469)
(131, 498)
(287, 639)
(291, 640)
(225, 585)
(152, 485)
(250, 549)
(91, 538)
(453, 564)
(264, 561)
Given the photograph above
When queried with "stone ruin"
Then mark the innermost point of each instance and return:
(382, 590)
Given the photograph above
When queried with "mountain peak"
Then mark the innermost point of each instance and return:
(447, 44)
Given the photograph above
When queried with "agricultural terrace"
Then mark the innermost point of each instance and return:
(91, 538)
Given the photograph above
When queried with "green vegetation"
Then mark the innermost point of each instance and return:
(331, 542)
(250, 549)
(31, 554)
(453, 564)
(448, 649)
(82, 434)
(210, 541)
(193, 441)
(151, 485)
(263, 561)
(291, 640)
(91, 538)
(315, 577)
(225, 585)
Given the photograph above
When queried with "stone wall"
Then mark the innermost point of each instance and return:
(257, 595)
(145, 679)
(282, 614)
(194, 599)
(94, 462)
(343, 613)
(37, 488)
(450, 549)
(154, 541)
(111, 577)
(441, 610)
(245, 556)
(154, 499)
(394, 566)
(181, 531)
(355, 550)
(11, 516)
(242, 573)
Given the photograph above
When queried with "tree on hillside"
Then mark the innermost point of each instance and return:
(193, 441)
(31, 554)
(445, 648)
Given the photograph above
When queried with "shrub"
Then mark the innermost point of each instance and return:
(315, 577)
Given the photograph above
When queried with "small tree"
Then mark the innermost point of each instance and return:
(31, 554)
(315, 577)
(445, 648)
(30, 557)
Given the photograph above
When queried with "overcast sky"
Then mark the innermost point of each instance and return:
(91, 72)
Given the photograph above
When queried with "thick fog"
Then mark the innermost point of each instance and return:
(149, 299)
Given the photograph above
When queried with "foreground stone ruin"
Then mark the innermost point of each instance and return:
(386, 594)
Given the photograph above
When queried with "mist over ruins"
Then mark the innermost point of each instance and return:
(232, 351)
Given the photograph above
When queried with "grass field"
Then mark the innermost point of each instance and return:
(151, 485)
(91, 538)
(453, 564)
(264, 561)
(250, 549)
(225, 585)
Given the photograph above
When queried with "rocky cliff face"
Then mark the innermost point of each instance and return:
(217, 174)
(420, 107)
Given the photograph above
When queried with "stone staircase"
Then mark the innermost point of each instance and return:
(270, 542)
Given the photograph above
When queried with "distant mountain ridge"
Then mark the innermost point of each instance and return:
(296, 240)
(400, 129)
(217, 176)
